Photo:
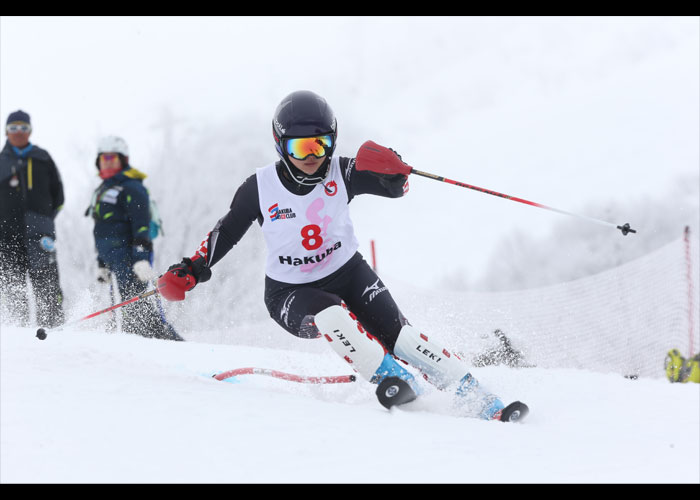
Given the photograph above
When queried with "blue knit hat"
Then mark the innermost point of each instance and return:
(18, 116)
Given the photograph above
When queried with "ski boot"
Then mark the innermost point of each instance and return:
(473, 400)
(397, 385)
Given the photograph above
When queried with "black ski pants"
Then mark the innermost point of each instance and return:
(143, 317)
(19, 260)
(293, 306)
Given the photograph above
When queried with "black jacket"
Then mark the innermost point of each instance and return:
(31, 194)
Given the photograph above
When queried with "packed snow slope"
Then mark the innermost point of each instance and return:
(85, 406)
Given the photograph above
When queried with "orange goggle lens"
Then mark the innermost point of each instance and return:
(303, 147)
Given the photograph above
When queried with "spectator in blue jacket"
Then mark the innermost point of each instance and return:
(120, 208)
(31, 195)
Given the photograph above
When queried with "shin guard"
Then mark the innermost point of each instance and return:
(447, 371)
(439, 366)
(349, 339)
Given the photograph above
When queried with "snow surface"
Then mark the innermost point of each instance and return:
(90, 407)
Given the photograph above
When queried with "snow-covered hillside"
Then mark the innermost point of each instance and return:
(85, 406)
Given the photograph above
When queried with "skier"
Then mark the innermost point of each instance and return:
(120, 207)
(31, 195)
(317, 284)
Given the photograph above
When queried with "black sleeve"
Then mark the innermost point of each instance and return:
(245, 208)
(366, 182)
(56, 187)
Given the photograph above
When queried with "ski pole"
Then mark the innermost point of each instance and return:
(112, 300)
(374, 157)
(41, 332)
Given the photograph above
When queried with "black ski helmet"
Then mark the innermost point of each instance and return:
(304, 114)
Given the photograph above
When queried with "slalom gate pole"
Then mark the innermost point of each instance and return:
(374, 157)
(41, 332)
(335, 379)
(374, 256)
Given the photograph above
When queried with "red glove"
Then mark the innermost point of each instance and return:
(182, 277)
(381, 160)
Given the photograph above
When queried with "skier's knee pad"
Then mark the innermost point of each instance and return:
(349, 339)
(439, 366)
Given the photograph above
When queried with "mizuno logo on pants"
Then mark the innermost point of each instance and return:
(374, 288)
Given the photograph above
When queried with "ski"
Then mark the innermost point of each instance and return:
(394, 391)
(514, 412)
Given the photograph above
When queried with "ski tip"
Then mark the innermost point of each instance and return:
(394, 391)
(514, 412)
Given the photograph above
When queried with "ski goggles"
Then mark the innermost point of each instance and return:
(302, 147)
(13, 128)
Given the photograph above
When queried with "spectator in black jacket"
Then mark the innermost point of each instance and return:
(31, 194)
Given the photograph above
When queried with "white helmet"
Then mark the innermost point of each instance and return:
(112, 144)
